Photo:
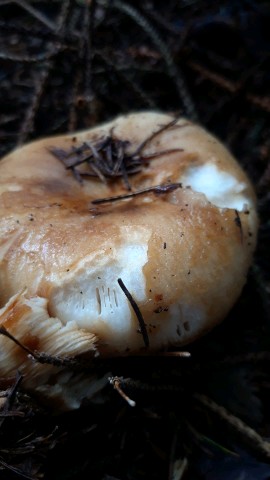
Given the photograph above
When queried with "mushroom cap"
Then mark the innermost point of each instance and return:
(183, 254)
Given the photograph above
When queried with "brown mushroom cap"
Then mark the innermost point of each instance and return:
(182, 254)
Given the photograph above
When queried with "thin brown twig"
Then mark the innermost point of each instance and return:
(230, 86)
(41, 57)
(17, 471)
(45, 358)
(173, 71)
(36, 14)
(10, 398)
(120, 72)
(116, 382)
(256, 440)
(89, 19)
(137, 311)
(156, 133)
(135, 384)
(157, 189)
(83, 80)
(28, 123)
(252, 357)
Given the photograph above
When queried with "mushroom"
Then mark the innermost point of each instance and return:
(131, 237)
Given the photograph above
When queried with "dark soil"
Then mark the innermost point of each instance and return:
(69, 65)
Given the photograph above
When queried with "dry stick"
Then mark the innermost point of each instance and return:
(262, 102)
(159, 18)
(35, 31)
(116, 382)
(245, 430)
(230, 86)
(89, 28)
(36, 13)
(28, 122)
(158, 189)
(214, 77)
(148, 387)
(252, 357)
(45, 358)
(179, 469)
(84, 64)
(173, 71)
(172, 454)
(127, 80)
(173, 354)
(72, 123)
(10, 398)
(149, 139)
(137, 312)
(35, 58)
(11, 413)
(15, 470)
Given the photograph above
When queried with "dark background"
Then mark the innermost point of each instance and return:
(69, 65)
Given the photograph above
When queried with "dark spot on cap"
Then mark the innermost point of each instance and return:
(161, 309)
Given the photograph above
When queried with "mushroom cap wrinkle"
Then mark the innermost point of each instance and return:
(183, 255)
